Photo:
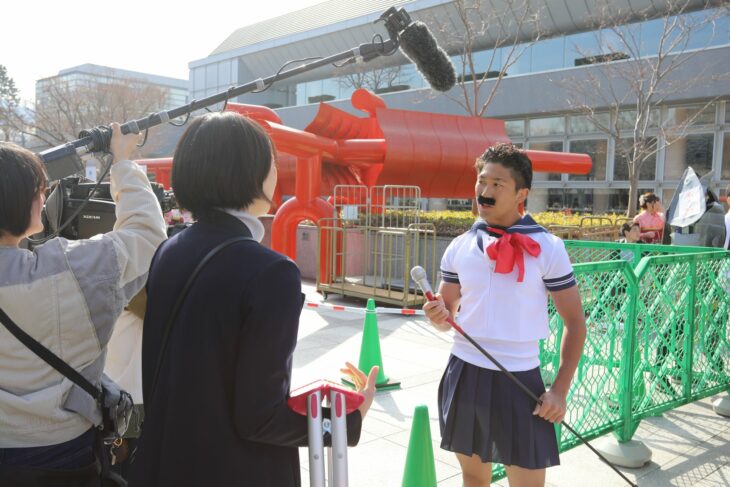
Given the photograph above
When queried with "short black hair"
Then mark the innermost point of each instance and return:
(221, 161)
(511, 157)
(22, 178)
(626, 227)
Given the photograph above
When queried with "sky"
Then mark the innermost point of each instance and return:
(38, 38)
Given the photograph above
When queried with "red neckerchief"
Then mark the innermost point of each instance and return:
(508, 250)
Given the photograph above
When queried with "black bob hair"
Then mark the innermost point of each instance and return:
(221, 161)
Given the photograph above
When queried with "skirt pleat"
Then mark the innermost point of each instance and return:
(483, 412)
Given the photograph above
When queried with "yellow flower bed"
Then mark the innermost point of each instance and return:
(453, 223)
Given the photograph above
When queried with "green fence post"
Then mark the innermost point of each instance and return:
(628, 365)
(689, 332)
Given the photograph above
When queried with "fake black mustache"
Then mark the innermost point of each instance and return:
(486, 201)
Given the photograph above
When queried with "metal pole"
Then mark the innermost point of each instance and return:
(316, 439)
(338, 451)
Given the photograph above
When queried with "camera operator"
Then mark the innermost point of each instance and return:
(67, 295)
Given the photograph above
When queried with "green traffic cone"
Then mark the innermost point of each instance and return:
(370, 346)
(420, 468)
(370, 350)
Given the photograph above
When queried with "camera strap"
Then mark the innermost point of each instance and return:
(49, 357)
(178, 304)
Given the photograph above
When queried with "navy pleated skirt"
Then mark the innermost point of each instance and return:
(483, 412)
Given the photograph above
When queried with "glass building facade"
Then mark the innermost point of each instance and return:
(703, 144)
(544, 55)
(549, 54)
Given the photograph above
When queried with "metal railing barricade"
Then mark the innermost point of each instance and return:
(371, 254)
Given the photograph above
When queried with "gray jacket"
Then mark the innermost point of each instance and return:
(68, 295)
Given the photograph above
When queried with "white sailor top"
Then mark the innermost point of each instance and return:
(506, 317)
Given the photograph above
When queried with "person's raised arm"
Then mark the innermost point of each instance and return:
(140, 226)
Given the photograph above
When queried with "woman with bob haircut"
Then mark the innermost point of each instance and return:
(217, 413)
(67, 295)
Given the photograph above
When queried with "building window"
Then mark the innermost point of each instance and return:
(518, 57)
(647, 172)
(556, 199)
(198, 79)
(314, 91)
(725, 173)
(597, 149)
(548, 54)
(547, 126)
(331, 88)
(691, 115)
(211, 76)
(301, 93)
(707, 28)
(224, 73)
(552, 146)
(484, 62)
(618, 200)
(581, 47)
(584, 124)
(691, 150)
(515, 128)
(667, 195)
(627, 119)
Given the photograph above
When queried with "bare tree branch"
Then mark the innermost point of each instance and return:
(64, 109)
(477, 21)
(631, 89)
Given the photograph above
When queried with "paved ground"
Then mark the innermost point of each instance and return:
(690, 445)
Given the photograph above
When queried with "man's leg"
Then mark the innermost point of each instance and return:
(474, 472)
(525, 477)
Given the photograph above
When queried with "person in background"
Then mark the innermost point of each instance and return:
(651, 219)
(631, 233)
(124, 366)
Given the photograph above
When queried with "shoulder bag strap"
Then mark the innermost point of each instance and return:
(49, 357)
(178, 305)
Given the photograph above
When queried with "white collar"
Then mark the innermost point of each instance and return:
(253, 223)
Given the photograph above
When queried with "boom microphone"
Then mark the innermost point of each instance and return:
(419, 275)
(414, 38)
(419, 45)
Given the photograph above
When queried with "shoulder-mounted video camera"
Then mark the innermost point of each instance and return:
(90, 208)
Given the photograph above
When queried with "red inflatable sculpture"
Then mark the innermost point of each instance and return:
(432, 151)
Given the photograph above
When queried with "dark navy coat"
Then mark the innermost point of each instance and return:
(219, 415)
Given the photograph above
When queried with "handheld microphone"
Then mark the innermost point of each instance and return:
(419, 275)
(419, 45)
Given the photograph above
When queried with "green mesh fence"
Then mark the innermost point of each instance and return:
(581, 251)
(658, 322)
